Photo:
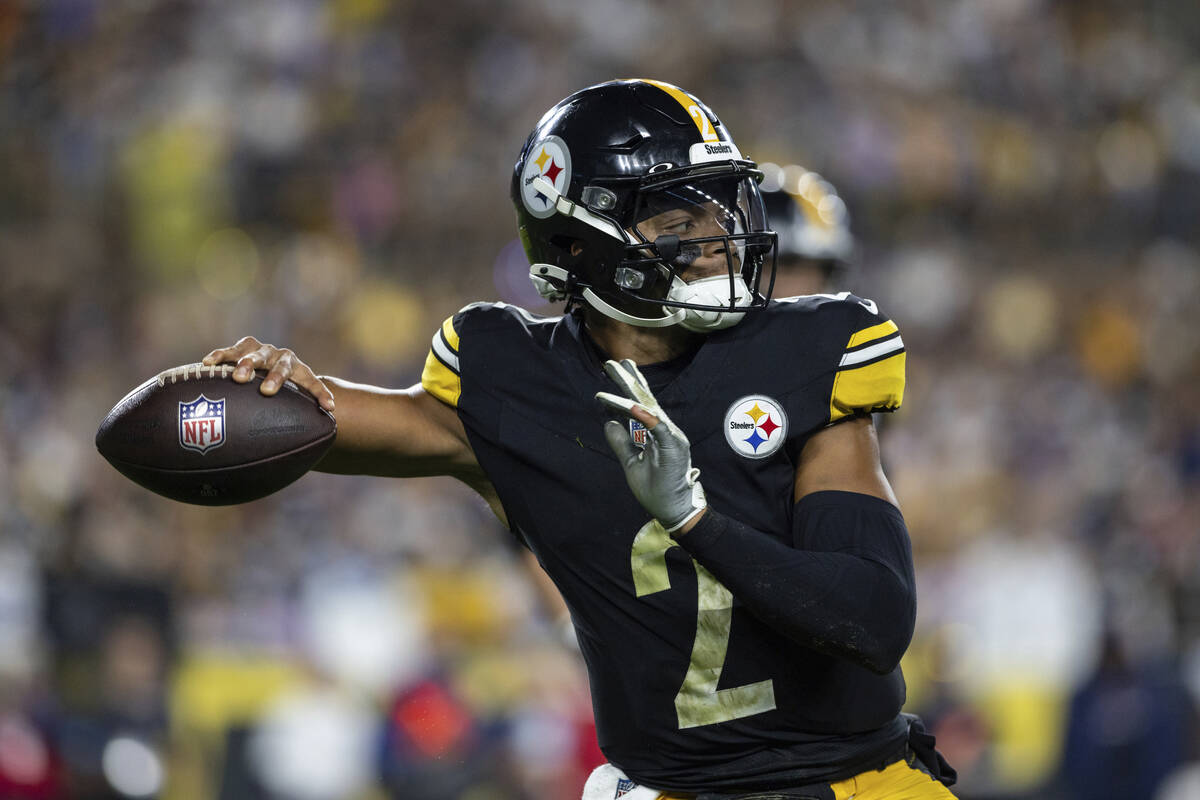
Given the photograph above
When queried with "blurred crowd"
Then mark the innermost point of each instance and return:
(1023, 179)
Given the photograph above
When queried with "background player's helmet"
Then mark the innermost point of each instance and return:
(810, 220)
(610, 157)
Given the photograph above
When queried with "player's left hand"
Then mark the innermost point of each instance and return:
(661, 475)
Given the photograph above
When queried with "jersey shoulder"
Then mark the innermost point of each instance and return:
(852, 339)
(492, 327)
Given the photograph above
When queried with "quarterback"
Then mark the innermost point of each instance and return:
(693, 463)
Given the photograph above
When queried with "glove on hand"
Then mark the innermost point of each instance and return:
(661, 475)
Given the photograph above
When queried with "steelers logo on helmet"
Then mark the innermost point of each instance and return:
(549, 159)
(755, 426)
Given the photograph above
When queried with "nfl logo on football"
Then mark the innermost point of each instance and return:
(202, 424)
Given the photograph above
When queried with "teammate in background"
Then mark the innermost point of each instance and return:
(815, 244)
(739, 576)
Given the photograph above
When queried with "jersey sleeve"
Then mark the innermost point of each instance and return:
(441, 376)
(870, 373)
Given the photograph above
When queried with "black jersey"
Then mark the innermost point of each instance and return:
(690, 691)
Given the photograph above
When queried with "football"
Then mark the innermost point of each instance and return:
(192, 434)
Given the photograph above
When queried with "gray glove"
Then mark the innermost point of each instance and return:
(661, 475)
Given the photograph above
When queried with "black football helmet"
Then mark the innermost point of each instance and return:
(810, 220)
(621, 187)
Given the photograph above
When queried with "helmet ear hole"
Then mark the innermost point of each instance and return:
(569, 245)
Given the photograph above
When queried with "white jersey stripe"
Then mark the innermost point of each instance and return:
(872, 352)
(443, 351)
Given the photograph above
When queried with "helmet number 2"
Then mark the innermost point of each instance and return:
(699, 701)
(706, 129)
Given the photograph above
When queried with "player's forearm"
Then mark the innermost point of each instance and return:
(392, 433)
(858, 604)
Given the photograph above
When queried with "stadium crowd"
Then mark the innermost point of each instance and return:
(1023, 179)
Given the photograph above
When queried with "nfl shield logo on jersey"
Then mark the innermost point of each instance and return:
(624, 785)
(202, 424)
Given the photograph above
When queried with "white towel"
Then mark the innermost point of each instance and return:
(608, 783)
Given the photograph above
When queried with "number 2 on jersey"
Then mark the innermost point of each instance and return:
(699, 701)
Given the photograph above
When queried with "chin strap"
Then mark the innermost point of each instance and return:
(550, 280)
(609, 310)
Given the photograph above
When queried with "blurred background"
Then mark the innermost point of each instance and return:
(1023, 181)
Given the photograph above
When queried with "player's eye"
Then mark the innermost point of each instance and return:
(679, 226)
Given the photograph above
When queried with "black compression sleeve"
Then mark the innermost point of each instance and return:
(844, 586)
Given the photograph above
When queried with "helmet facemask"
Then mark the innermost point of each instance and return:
(709, 241)
(699, 246)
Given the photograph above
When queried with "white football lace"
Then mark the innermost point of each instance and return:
(184, 373)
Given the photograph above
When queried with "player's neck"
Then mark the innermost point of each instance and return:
(642, 345)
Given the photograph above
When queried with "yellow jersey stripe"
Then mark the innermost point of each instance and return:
(877, 386)
(440, 376)
(451, 334)
(873, 332)
(441, 381)
(705, 125)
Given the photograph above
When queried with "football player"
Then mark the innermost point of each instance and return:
(816, 247)
(692, 463)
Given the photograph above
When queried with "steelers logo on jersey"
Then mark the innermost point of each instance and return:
(550, 160)
(755, 426)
